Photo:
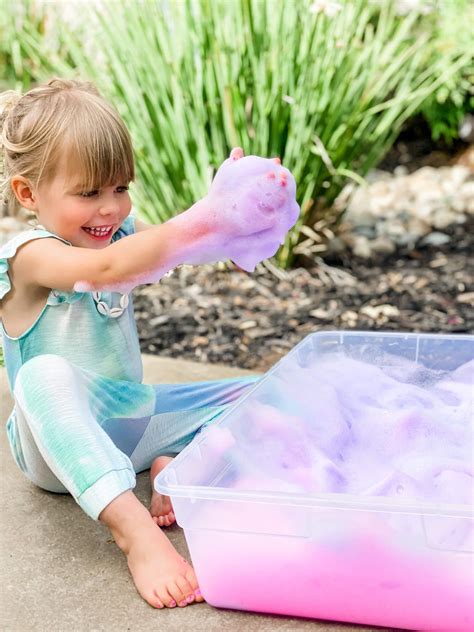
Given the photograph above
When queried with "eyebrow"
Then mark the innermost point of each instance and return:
(77, 188)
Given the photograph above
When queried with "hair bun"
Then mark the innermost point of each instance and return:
(8, 100)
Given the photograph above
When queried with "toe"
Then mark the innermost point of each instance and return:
(177, 594)
(163, 596)
(198, 595)
(186, 590)
(192, 580)
(157, 603)
(165, 520)
(169, 601)
(153, 598)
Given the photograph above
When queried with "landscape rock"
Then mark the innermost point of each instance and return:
(404, 208)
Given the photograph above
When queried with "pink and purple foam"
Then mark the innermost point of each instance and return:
(349, 427)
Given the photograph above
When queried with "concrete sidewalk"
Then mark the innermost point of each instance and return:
(60, 571)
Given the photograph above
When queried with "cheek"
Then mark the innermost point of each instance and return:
(125, 207)
(77, 214)
(126, 204)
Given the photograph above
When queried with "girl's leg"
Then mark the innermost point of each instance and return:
(181, 411)
(28, 457)
(57, 428)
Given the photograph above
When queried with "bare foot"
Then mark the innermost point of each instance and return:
(160, 506)
(162, 577)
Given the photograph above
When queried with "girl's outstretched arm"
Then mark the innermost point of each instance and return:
(250, 207)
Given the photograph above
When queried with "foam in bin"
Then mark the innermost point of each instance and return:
(348, 427)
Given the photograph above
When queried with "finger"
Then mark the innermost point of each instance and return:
(237, 153)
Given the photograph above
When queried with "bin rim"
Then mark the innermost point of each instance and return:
(378, 504)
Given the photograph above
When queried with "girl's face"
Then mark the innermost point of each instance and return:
(86, 219)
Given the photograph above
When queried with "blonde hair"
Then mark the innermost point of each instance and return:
(62, 122)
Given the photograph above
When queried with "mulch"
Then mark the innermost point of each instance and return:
(219, 314)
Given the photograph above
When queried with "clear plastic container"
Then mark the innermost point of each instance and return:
(266, 529)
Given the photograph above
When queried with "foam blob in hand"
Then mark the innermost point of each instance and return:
(254, 200)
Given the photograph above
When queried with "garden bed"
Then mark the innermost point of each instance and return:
(227, 316)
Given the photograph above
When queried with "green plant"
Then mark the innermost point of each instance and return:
(17, 69)
(325, 89)
(445, 109)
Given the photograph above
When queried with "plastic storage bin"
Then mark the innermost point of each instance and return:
(268, 532)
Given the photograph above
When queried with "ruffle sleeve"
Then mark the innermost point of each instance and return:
(8, 251)
(5, 285)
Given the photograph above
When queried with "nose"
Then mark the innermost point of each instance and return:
(106, 210)
(109, 206)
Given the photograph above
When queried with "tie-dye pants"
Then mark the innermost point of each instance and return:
(75, 431)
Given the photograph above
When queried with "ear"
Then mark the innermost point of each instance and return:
(24, 192)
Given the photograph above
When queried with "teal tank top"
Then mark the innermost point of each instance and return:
(93, 330)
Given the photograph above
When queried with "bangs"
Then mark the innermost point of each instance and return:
(96, 147)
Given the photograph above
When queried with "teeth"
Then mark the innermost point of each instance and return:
(98, 232)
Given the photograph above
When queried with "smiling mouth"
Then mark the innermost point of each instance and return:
(98, 232)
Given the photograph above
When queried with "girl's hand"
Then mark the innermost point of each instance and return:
(253, 204)
(247, 213)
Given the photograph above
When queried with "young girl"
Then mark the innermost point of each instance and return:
(83, 422)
